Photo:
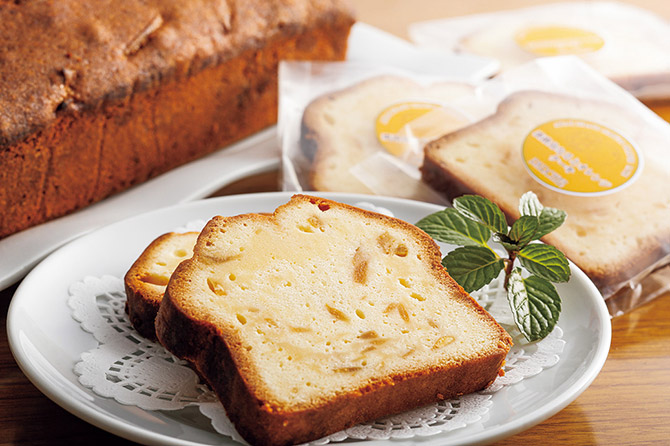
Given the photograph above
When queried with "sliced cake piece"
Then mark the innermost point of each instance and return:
(147, 278)
(321, 316)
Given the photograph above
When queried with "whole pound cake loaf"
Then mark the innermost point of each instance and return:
(571, 152)
(322, 316)
(98, 95)
(147, 278)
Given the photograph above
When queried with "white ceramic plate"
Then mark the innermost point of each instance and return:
(47, 341)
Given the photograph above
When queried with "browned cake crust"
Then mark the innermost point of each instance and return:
(100, 95)
(142, 312)
(219, 354)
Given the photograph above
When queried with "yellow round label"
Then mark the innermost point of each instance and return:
(579, 157)
(558, 40)
(408, 126)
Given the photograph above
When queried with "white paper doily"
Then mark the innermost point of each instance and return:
(134, 371)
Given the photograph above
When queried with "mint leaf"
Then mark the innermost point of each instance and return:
(472, 267)
(524, 229)
(483, 211)
(529, 204)
(545, 261)
(449, 226)
(550, 219)
(506, 242)
(535, 304)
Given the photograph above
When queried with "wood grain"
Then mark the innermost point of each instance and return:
(628, 403)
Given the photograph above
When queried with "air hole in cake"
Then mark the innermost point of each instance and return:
(315, 222)
(401, 250)
(155, 279)
(418, 297)
(360, 314)
(443, 341)
(304, 228)
(360, 267)
(404, 282)
(215, 287)
(161, 263)
(330, 119)
(232, 277)
(337, 314)
(181, 253)
(242, 319)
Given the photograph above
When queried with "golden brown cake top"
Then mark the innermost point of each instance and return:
(59, 56)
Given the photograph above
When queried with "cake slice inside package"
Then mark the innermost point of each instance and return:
(355, 127)
(625, 43)
(583, 145)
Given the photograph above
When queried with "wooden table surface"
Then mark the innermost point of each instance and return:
(627, 404)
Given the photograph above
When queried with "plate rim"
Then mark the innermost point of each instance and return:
(134, 433)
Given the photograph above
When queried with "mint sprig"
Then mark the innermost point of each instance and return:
(473, 223)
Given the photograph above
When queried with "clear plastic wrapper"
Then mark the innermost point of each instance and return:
(554, 126)
(584, 145)
(357, 127)
(625, 43)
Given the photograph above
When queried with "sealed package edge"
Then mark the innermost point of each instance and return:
(582, 145)
(629, 45)
(365, 132)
